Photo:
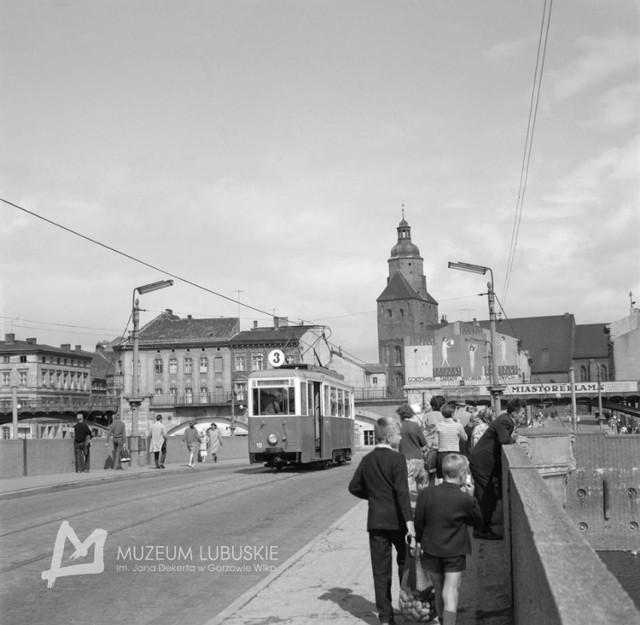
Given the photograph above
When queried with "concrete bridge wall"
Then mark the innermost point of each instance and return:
(557, 577)
(46, 456)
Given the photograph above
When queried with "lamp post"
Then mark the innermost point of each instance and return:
(599, 374)
(495, 389)
(135, 401)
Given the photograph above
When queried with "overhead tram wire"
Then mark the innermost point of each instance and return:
(133, 258)
(531, 124)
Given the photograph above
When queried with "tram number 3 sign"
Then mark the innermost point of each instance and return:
(276, 358)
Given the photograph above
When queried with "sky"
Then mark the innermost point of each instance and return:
(262, 151)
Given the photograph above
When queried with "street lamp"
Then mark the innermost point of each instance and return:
(135, 401)
(600, 415)
(495, 389)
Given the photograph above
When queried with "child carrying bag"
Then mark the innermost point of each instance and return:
(417, 595)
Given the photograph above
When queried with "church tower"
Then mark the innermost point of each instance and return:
(405, 308)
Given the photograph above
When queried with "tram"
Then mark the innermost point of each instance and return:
(300, 415)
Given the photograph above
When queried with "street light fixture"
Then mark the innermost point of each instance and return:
(135, 401)
(495, 389)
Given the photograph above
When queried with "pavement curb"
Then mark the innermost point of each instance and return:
(120, 475)
(250, 594)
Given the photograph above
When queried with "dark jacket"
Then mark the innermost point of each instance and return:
(81, 433)
(486, 456)
(442, 516)
(412, 441)
(381, 478)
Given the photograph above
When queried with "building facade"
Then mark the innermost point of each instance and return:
(47, 382)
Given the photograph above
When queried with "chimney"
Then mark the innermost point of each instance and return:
(169, 311)
(188, 317)
(276, 322)
(66, 346)
(9, 339)
(284, 322)
(78, 348)
(255, 325)
(32, 341)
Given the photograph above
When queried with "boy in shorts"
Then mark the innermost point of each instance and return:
(441, 519)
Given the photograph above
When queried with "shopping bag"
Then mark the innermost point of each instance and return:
(416, 602)
(125, 455)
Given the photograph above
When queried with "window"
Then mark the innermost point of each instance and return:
(257, 361)
(583, 374)
(240, 391)
(23, 359)
(603, 373)
(6, 378)
(188, 395)
(239, 363)
(173, 365)
(217, 364)
(402, 312)
(44, 377)
(374, 380)
(204, 364)
(188, 366)
(157, 365)
(22, 378)
(44, 359)
(368, 437)
(390, 313)
(204, 394)
(173, 391)
(398, 354)
(158, 388)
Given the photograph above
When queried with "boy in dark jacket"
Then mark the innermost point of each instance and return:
(381, 478)
(442, 516)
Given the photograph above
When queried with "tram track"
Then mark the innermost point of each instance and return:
(127, 526)
(180, 488)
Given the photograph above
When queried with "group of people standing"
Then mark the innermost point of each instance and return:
(463, 493)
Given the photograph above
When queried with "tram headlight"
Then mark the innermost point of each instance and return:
(272, 439)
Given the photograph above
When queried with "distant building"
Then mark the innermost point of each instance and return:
(50, 382)
(184, 369)
(624, 335)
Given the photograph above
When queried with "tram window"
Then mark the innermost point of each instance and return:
(303, 398)
(334, 402)
(274, 400)
(340, 403)
(347, 404)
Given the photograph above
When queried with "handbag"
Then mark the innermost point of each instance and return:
(430, 456)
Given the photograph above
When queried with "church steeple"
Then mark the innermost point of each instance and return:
(405, 258)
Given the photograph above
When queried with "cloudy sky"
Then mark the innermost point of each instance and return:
(264, 149)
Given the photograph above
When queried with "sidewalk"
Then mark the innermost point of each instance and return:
(20, 486)
(330, 580)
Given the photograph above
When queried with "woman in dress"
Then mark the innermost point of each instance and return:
(215, 441)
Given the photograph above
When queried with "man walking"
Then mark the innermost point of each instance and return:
(118, 432)
(158, 444)
(381, 478)
(82, 444)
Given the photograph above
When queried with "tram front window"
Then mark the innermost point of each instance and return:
(274, 400)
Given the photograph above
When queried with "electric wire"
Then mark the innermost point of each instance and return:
(531, 124)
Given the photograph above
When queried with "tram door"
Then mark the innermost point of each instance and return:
(314, 407)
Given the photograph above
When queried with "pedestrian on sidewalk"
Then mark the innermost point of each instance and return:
(215, 441)
(442, 516)
(204, 448)
(450, 435)
(158, 444)
(382, 479)
(118, 432)
(192, 438)
(82, 444)
(412, 444)
(431, 420)
(486, 463)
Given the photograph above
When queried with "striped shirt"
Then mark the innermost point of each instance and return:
(449, 433)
